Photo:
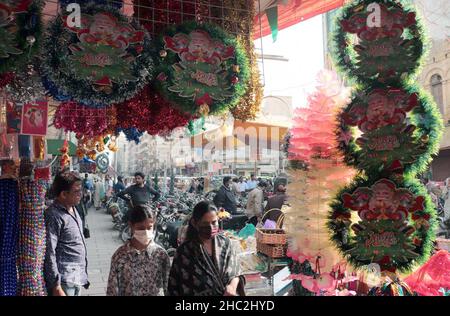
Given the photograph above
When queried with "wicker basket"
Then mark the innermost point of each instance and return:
(272, 251)
(271, 236)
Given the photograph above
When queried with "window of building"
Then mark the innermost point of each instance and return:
(437, 92)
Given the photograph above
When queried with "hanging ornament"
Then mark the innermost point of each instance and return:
(102, 162)
(198, 69)
(399, 132)
(65, 159)
(20, 33)
(105, 61)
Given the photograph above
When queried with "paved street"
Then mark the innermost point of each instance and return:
(101, 246)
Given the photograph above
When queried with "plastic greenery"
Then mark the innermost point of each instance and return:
(21, 40)
(399, 135)
(234, 73)
(64, 82)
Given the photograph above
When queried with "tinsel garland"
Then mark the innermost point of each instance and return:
(84, 121)
(9, 233)
(73, 84)
(238, 19)
(150, 112)
(236, 69)
(26, 87)
(32, 243)
(27, 32)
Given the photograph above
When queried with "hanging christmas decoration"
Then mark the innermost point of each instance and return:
(65, 158)
(150, 112)
(238, 19)
(32, 234)
(20, 33)
(102, 162)
(84, 121)
(9, 229)
(26, 86)
(399, 130)
(384, 53)
(317, 173)
(107, 60)
(200, 68)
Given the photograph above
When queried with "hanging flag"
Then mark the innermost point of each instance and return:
(289, 13)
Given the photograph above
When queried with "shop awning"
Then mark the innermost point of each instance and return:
(283, 14)
(53, 146)
(244, 133)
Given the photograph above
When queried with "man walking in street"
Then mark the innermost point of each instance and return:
(255, 203)
(277, 201)
(236, 187)
(252, 183)
(65, 267)
(140, 194)
(225, 198)
(119, 186)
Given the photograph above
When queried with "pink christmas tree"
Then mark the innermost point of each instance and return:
(317, 174)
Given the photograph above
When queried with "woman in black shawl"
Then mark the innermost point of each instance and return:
(206, 263)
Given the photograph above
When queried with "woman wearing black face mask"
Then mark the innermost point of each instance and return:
(206, 263)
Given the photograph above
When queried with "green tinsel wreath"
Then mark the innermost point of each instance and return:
(170, 82)
(344, 238)
(26, 38)
(346, 58)
(425, 117)
(77, 85)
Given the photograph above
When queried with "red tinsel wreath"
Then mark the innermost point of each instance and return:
(150, 112)
(84, 121)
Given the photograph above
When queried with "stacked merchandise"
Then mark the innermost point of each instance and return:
(32, 237)
(9, 229)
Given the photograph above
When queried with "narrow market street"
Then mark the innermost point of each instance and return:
(102, 244)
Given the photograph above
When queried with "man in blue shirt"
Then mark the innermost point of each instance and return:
(252, 183)
(65, 267)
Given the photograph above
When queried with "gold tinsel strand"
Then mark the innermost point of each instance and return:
(240, 21)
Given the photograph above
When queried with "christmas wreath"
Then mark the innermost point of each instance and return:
(200, 68)
(390, 52)
(395, 232)
(399, 130)
(20, 33)
(107, 60)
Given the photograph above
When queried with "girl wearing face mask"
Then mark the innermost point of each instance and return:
(140, 267)
(206, 263)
